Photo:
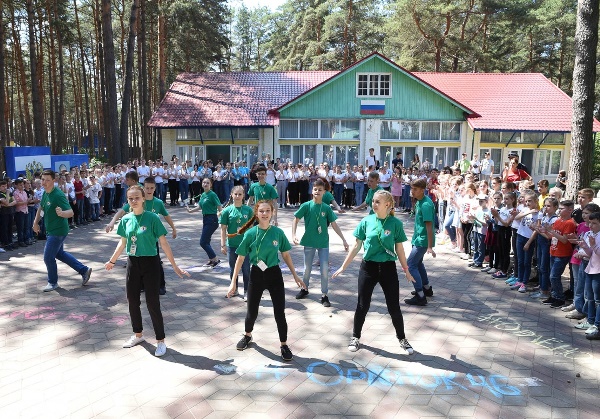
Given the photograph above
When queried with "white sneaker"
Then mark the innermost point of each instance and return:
(353, 345)
(133, 340)
(245, 297)
(161, 349)
(591, 330)
(406, 347)
(50, 287)
(2, 250)
(568, 308)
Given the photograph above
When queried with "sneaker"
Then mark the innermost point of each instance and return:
(325, 301)
(593, 336)
(568, 308)
(427, 292)
(538, 294)
(584, 325)
(492, 271)
(353, 345)
(548, 300)
(244, 342)
(133, 340)
(2, 250)
(516, 285)
(487, 269)
(575, 314)
(162, 291)
(592, 330)
(416, 301)
(208, 264)
(301, 294)
(511, 280)
(406, 347)
(212, 264)
(522, 288)
(86, 276)
(476, 266)
(557, 303)
(50, 287)
(463, 256)
(286, 353)
(245, 297)
(499, 275)
(161, 349)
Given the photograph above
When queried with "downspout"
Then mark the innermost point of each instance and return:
(472, 145)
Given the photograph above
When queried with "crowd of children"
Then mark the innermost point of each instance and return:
(543, 233)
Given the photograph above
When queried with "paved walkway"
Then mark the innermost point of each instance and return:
(481, 350)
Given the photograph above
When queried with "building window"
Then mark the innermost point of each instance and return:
(374, 85)
(496, 156)
(288, 129)
(247, 133)
(187, 134)
(285, 153)
(390, 130)
(309, 128)
(346, 129)
(208, 133)
(555, 138)
(490, 136)
(532, 137)
(430, 131)
(451, 131)
(548, 162)
(410, 130)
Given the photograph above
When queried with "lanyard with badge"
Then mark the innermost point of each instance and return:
(379, 231)
(317, 216)
(133, 247)
(261, 264)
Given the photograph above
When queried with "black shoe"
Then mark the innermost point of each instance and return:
(244, 342)
(416, 301)
(301, 294)
(475, 266)
(286, 353)
(325, 301)
(548, 301)
(593, 336)
(568, 295)
(22, 244)
(86, 276)
(162, 290)
(557, 303)
(427, 292)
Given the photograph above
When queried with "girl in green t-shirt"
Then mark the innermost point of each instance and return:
(210, 204)
(262, 244)
(233, 217)
(139, 231)
(382, 235)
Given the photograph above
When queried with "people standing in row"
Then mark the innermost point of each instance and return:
(140, 230)
(261, 244)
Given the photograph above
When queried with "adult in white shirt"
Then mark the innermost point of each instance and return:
(476, 165)
(143, 171)
(183, 183)
(173, 173)
(384, 178)
(270, 179)
(158, 172)
(487, 167)
(281, 179)
(371, 160)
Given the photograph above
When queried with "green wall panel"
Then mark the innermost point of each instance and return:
(410, 99)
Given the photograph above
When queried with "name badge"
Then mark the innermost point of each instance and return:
(262, 265)
(132, 249)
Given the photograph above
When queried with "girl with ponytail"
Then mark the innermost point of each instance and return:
(233, 217)
(261, 245)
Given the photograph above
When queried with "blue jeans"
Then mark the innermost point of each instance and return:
(579, 272)
(448, 224)
(210, 223)
(54, 250)
(543, 261)
(81, 210)
(359, 189)
(478, 248)
(245, 267)
(417, 268)
(406, 198)
(227, 187)
(589, 307)
(309, 255)
(30, 220)
(95, 211)
(183, 190)
(557, 267)
(338, 189)
(595, 281)
(20, 222)
(524, 257)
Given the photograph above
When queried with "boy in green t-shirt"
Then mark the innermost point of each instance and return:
(261, 190)
(423, 241)
(317, 218)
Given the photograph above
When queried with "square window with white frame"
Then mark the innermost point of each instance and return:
(374, 85)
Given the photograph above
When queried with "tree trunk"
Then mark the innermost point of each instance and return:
(88, 117)
(584, 77)
(162, 50)
(112, 130)
(126, 99)
(38, 110)
(3, 130)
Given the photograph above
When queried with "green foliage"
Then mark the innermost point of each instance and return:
(97, 161)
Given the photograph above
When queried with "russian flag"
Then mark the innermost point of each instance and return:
(372, 107)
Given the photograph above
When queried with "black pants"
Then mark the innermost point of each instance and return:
(271, 279)
(467, 228)
(515, 255)
(163, 284)
(348, 197)
(293, 192)
(504, 241)
(386, 275)
(144, 272)
(174, 191)
(303, 191)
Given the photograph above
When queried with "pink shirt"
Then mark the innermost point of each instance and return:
(21, 198)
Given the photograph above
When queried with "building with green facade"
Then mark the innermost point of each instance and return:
(332, 116)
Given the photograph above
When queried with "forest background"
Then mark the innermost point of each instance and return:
(89, 73)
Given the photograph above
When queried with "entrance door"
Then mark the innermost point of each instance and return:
(197, 154)
(217, 153)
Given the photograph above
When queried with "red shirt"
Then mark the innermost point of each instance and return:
(562, 227)
(78, 185)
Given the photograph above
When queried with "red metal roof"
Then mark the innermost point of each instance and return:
(231, 99)
(508, 101)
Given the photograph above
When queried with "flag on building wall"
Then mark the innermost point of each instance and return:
(372, 107)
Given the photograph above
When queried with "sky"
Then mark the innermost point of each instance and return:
(272, 4)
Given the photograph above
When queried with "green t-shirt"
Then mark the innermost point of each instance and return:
(261, 192)
(424, 211)
(146, 228)
(209, 202)
(328, 198)
(55, 225)
(379, 237)
(259, 244)
(369, 198)
(315, 216)
(234, 217)
(464, 166)
(154, 205)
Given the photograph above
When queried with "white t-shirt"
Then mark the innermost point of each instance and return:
(370, 161)
(93, 192)
(384, 179)
(143, 173)
(486, 166)
(158, 173)
(525, 223)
